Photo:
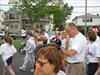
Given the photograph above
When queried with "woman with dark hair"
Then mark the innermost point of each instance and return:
(8, 51)
(49, 61)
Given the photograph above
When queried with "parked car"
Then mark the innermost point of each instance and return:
(15, 36)
(2, 34)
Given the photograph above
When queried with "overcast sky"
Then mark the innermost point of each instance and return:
(93, 6)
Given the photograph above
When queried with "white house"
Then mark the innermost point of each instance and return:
(2, 16)
(92, 20)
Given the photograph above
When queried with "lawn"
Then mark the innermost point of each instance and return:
(16, 43)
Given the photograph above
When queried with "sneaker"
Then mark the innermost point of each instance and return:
(22, 68)
(32, 70)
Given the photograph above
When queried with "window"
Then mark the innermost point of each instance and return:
(11, 26)
(14, 26)
(12, 16)
(88, 20)
(39, 26)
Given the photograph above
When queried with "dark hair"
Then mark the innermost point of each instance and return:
(54, 57)
(23, 28)
(57, 44)
(8, 39)
(91, 35)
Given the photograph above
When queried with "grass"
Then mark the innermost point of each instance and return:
(16, 43)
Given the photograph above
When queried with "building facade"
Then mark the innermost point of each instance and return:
(15, 21)
(2, 17)
(92, 20)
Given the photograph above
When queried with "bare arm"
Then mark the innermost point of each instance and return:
(69, 53)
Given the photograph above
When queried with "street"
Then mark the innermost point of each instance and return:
(18, 61)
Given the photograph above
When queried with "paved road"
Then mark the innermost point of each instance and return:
(16, 63)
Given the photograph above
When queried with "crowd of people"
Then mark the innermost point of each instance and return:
(56, 53)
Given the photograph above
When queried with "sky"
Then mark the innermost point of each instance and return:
(79, 6)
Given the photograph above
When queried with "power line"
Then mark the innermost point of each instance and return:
(6, 4)
(84, 12)
(80, 0)
(73, 6)
(87, 6)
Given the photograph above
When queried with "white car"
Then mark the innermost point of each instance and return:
(2, 34)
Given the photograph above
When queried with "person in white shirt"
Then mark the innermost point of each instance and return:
(92, 53)
(98, 44)
(8, 51)
(75, 53)
(30, 52)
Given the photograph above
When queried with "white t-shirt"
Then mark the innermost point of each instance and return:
(30, 45)
(77, 43)
(23, 32)
(7, 50)
(61, 72)
(98, 46)
(91, 52)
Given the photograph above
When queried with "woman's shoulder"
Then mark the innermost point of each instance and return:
(3, 45)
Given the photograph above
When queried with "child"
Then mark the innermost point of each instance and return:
(8, 51)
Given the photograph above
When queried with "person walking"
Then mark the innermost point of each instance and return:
(75, 54)
(30, 52)
(8, 51)
(92, 51)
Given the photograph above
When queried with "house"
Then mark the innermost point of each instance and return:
(92, 20)
(2, 16)
(13, 21)
(44, 23)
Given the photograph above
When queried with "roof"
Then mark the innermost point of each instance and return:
(88, 15)
(1, 10)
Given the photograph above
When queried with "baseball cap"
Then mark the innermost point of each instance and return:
(29, 33)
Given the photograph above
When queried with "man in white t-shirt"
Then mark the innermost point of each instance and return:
(75, 53)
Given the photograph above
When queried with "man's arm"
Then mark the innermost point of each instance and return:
(71, 52)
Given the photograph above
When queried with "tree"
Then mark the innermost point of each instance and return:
(37, 9)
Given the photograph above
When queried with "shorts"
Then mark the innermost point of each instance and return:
(8, 61)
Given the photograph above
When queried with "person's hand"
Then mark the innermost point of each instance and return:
(37, 70)
(14, 55)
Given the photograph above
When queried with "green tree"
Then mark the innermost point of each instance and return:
(37, 9)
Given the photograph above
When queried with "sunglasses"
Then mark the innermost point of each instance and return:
(41, 63)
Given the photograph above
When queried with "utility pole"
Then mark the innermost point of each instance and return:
(85, 27)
